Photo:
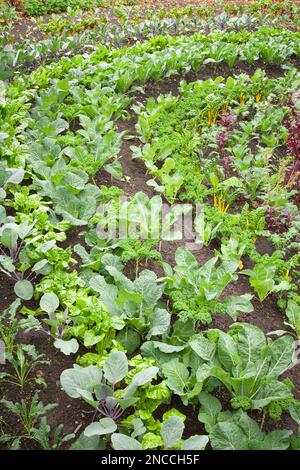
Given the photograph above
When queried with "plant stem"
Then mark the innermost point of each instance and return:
(263, 419)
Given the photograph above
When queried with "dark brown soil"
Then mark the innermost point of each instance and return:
(7, 291)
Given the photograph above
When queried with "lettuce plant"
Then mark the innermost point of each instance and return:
(74, 314)
(167, 436)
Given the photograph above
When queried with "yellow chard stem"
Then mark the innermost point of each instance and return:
(226, 208)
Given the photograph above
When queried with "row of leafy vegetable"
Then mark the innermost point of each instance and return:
(65, 36)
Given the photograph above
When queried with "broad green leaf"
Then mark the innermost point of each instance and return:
(68, 347)
(24, 289)
(80, 381)
(146, 285)
(293, 314)
(84, 255)
(9, 237)
(122, 442)
(251, 342)
(277, 440)
(99, 428)
(262, 287)
(121, 281)
(88, 443)
(250, 428)
(227, 351)
(63, 85)
(202, 373)
(128, 300)
(16, 176)
(127, 402)
(160, 322)
(115, 169)
(282, 352)
(112, 260)
(203, 347)
(115, 367)
(42, 267)
(195, 443)
(90, 339)
(76, 179)
(177, 376)
(228, 436)
(167, 348)
(185, 261)
(129, 339)
(294, 409)
(139, 379)
(172, 430)
(47, 246)
(184, 329)
(139, 428)
(209, 411)
(7, 264)
(235, 304)
(49, 303)
(269, 391)
(108, 292)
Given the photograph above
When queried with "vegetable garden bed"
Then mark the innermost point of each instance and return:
(165, 341)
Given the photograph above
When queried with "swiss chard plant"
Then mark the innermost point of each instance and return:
(292, 312)
(265, 279)
(244, 361)
(236, 430)
(250, 366)
(195, 291)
